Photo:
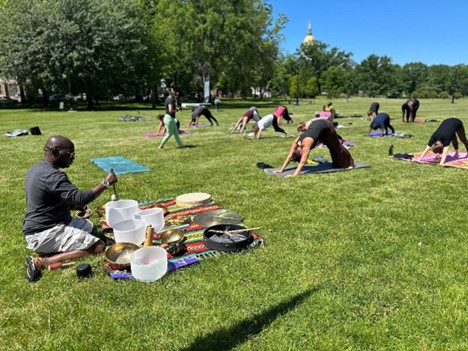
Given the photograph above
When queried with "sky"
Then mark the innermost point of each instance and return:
(427, 31)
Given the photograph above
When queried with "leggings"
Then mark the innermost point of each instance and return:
(171, 130)
(209, 116)
(277, 127)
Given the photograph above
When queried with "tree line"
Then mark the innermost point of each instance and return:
(135, 47)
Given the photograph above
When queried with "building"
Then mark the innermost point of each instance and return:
(309, 38)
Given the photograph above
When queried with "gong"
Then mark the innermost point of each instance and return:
(210, 218)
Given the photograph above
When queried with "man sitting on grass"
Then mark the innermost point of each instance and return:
(49, 229)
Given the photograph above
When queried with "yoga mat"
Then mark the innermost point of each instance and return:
(396, 135)
(193, 233)
(120, 164)
(309, 169)
(199, 126)
(345, 143)
(427, 120)
(460, 162)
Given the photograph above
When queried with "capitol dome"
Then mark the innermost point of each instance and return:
(309, 38)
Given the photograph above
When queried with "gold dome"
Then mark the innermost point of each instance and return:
(309, 38)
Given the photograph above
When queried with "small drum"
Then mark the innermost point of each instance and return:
(193, 199)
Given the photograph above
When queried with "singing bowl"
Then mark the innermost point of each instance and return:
(178, 220)
(174, 236)
(118, 255)
(165, 210)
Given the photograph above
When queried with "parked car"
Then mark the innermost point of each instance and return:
(6, 100)
(57, 97)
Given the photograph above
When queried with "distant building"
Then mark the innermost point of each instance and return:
(8, 87)
(309, 38)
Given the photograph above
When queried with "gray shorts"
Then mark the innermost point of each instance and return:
(63, 238)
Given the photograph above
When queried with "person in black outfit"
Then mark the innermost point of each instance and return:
(445, 134)
(373, 110)
(382, 121)
(409, 109)
(318, 131)
(202, 111)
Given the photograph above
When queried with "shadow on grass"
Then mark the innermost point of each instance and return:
(229, 338)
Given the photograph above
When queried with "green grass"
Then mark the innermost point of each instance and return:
(372, 259)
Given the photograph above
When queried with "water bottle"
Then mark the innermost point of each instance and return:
(390, 150)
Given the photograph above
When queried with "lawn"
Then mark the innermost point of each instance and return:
(370, 259)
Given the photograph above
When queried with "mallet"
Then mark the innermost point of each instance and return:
(59, 265)
(115, 196)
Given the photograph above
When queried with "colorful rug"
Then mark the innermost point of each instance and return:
(120, 164)
(193, 233)
(325, 167)
(396, 135)
(451, 161)
(427, 120)
(152, 135)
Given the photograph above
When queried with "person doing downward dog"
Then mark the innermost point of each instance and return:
(445, 134)
(409, 110)
(318, 131)
(170, 121)
(202, 111)
(382, 121)
(251, 113)
(265, 123)
(373, 110)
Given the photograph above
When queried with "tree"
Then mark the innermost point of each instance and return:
(93, 46)
(414, 75)
(376, 75)
(315, 59)
(233, 42)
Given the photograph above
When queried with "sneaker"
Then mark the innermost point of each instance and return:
(32, 273)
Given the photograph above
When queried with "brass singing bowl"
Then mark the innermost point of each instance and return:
(172, 236)
(164, 208)
(178, 220)
(101, 210)
(118, 255)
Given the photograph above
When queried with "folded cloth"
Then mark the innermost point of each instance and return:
(16, 132)
(263, 165)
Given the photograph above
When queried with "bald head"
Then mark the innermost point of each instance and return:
(58, 142)
(60, 151)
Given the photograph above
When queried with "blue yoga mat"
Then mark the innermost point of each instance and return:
(309, 169)
(120, 164)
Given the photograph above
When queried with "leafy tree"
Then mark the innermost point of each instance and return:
(315, 59)
(414, 75)
(377, 75)
(93, 46)
(311, 87)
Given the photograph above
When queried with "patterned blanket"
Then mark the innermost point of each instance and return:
(451, 161)
(193, 233)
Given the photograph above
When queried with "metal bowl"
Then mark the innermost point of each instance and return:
(118, 255)
(172, 236)
(164, 208)
(178, 220)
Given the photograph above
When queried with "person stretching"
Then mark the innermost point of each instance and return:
(318, 131)
(202, 111)
(382, 121)
(251, 113)
(445, 134)
(265, 123)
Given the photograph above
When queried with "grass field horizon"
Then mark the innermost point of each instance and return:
(370, 259)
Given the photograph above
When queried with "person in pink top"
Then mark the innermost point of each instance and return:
(281, 112)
